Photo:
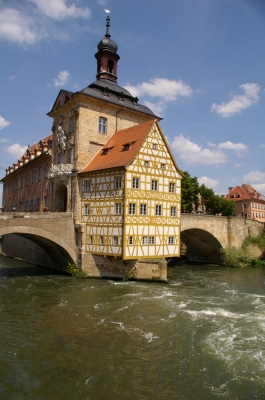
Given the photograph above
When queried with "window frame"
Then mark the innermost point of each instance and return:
(172, 187)
(143, 209)
(171, 240)
(102, 125)
(158, 210)
(135, 182)
(154, 185)
(173, 211)
(132, 208)
(87, 185)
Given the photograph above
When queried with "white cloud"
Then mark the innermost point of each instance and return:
(238, 102)
(3, 140)
(193, 154)
(237, 165)
(233, 146)
(16, 150)
(210, 183)
(14, 26)
(254, 176)
(167, 89)
(62, 78)
(58, 9)
(3, 122)
(157, 108)
(260, 187)
(262, 145)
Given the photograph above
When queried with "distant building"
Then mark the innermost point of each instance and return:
(110, 164)
(26, 184)
(249, 202)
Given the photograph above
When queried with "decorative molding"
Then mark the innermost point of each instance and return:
(60, 173)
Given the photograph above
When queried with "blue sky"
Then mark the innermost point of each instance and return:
(199, 64)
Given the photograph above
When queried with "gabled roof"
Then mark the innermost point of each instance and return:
(117, 156)
(122, 148)
(244, 192)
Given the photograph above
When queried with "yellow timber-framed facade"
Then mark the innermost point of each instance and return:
(133, 211)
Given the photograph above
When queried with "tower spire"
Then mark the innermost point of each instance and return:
(107, 57)
(108, 35)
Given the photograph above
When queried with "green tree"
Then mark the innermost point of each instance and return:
(190, 189)
(214, 204)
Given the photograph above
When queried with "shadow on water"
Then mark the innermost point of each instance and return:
(18, 268)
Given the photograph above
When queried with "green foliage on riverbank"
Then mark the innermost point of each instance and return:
(234, 257)
(214, 204)
(72, 270)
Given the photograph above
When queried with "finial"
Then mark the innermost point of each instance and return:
(107, 25)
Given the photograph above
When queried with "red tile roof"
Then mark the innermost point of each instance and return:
(243, 192)
(116, 155)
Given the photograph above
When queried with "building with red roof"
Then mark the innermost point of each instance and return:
(249, 202)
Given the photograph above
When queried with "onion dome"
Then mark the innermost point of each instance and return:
(106, 42)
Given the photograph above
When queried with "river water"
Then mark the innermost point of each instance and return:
(201, 336)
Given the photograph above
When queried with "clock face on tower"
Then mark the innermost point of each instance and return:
(62, 99)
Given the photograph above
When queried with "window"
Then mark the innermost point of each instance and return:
(171, 240)
(21, 181)
(146, 163)
(26, 206)
(117, 183)
(132, 208)
(143, 208)
(39, 173)
(102, 125)
(135, 183)
(90, 239)
(20, 207)
(87, 210)
(126, 146)
(118, 208)
(154, 146)
(45, 201)
(172, 187)
(47, 171)
(162, 166)
(115, 241)
(151, 240)
(87, 186)
(59, 158)
(69, 156)
(31, 205)
(17, 184)
(38, 204)
(158, 210)
(173, 211)
(145, 239)
(33, 176)
(101, 240)
(105, 151)
(71, 124)
(154, 185)
(245, 205)
(13, 186)
(131, 240)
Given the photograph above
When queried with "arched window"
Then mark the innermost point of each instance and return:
(110, 66)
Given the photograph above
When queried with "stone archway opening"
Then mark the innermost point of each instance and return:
(201, 246)
(60, 198)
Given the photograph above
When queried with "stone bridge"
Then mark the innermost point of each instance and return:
(61, 241)
(53, 232)
(205, 235)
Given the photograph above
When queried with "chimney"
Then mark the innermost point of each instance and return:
(230, 189)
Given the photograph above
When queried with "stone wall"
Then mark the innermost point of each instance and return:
(16, 246)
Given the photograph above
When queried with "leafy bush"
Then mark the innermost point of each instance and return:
(257, 262)
(74, 271)
(234, 257)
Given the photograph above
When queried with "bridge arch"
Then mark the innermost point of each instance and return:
(201, 246)
(59, 252)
